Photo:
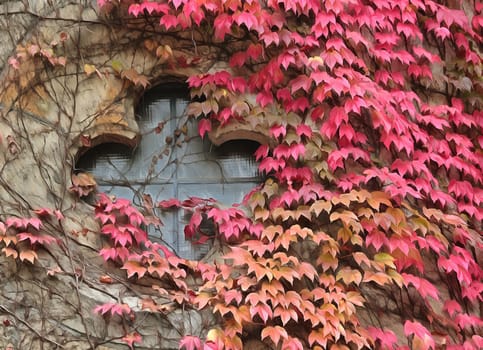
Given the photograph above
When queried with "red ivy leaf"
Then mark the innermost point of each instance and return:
(189, 342)
(169, 203)
(113, 309)
(35, 238)
(204, 126)
(387, 337)
(169, 21)
(452, 307)
(418, 330)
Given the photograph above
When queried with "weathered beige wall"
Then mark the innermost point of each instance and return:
(44, 109)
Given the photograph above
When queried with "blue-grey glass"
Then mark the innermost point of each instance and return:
(172, 160)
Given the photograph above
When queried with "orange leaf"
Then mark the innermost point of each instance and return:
(273, 287)
(344, 234)
(134, 267)
(286, 273)
(365, 212)
(285, 314)
(321, 236)
(232, 342)
(239, 256)
(385, 259)
(215, 336)
(361, 258)
(327, 261)
(132, 338)
(379, 277)
(270, 232)
(261, 271)
(83, 179)
(133, 76)
(355, 298)
(299, 231)
(257, 199)
(274, 333)
(357, 240)
(10, 252)
(261, 214)
(344, 199)
(202, 299)
(384, 220)
(321, 205)
(339, 347)
(377, 198)
(149, 304)
(396, 277)
(307, 270)
(397, 214)
(318, 336)
(9, 239)
(28, 255)
(283, 214)
(345, 216)
(285, 239)
(303, 211)
(349, 275)
(232, 328)
(105, 279)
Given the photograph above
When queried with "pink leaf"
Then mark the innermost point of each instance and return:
(204, 126)
(222, 25)
(452, 307)
(132, 338)
(168, 21)
(246, 18)
(261, 152)
(113, 309)
(418, 330)
(169, 203)
(304, 130)
(14, 63)
(387, 337)
(134, 9)
(278, 130)
(190, 342)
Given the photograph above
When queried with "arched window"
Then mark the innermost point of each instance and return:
(172, 161)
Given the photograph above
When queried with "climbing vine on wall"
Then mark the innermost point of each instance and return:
(374, 178)
(371, 210)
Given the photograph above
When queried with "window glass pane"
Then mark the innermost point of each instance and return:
(154, 158)
(227, 194)
(237, 159)
(173, 161)
(108, 162)
(168, 232)
(119, 192)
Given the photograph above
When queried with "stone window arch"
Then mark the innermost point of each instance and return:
(171, 160)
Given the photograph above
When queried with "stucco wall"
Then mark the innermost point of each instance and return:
(46, 105)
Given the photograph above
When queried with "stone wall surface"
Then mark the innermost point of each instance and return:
(47, 105)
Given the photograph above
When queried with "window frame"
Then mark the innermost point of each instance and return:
(172, 92)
